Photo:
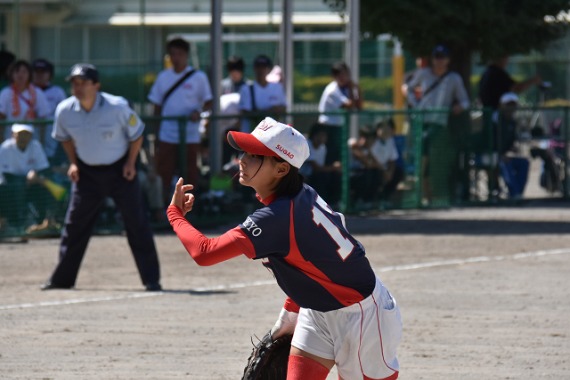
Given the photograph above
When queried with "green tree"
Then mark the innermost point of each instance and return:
(492, 28)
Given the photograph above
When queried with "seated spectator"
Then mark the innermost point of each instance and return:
(325, 178)
(386, 154)
(23, 170)
(365, 170)
(512, 167)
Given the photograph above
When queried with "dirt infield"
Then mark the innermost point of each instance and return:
(483, 292)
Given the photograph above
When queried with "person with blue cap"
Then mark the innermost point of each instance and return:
(442, 90)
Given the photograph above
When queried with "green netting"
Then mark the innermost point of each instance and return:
(462, 171)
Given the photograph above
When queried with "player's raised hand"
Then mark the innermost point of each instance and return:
(180, 199)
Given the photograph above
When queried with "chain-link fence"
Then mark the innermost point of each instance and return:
(474, 158)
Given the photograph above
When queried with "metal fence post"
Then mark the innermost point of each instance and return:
(182, 147)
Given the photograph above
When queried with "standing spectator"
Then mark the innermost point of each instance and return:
(23, 166)
(181, 91)
(512, 167)
(21, 100)
(496, 81)
(235, 79)
(386, 154)
(42, 75)
(102, 137)
(325, 179)
(441, 89)
(229, 103)
(261, 96)
(341, 93)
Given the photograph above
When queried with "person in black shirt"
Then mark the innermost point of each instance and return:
(496, 81)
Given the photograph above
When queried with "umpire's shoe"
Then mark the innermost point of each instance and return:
(51, 286)
(153, 287)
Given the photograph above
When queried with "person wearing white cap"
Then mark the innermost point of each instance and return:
(335, 302)
(23, 163)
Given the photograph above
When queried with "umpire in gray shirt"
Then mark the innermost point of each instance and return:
(101, 136)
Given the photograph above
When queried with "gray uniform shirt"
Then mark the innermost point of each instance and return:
(102, 135)
(450, 89)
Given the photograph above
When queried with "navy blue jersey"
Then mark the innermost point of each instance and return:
(312, 255)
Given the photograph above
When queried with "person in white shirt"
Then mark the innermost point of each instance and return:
(42, 74)
(340, 94)
(261, 98)
(180, 91)
(21, 100)
(324, 178)
(386, 154)
(23, 166)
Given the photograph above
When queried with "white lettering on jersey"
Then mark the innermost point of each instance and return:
(250, 225)
(345, 246)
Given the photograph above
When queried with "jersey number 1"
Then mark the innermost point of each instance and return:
(345, 246)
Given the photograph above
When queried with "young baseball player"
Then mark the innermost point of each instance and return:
(340, 312)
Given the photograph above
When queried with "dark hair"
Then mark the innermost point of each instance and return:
(291, 184)
(316, 129)
(235, 63)
(367, 131)
(178, 43)
(16, 65)
(389, 122)
(339, 67)
(43, 64)
(262, 61)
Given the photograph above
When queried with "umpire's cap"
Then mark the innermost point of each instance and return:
(85, 71)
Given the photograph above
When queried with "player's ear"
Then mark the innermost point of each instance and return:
(282, 169)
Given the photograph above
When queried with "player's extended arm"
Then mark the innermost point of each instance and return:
(208, 251)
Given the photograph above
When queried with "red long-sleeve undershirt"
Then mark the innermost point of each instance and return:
(209, 251)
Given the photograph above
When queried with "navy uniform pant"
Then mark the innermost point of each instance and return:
(88, 194)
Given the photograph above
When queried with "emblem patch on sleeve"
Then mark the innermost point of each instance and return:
(133, 120)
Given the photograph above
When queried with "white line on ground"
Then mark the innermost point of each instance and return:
(74, 301)
(471, 260)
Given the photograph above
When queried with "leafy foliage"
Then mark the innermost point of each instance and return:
(493, 28)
